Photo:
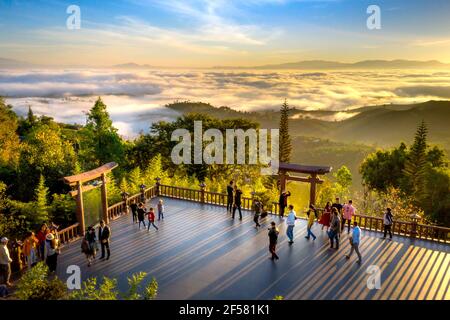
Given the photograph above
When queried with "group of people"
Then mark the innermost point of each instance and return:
(42, 246)
(89, 244)
(139, 211)
(334, 218)
(234, 199)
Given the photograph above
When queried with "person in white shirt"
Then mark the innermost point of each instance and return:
(5, 262)
(290, 222)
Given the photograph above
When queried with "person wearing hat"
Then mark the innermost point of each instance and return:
(51, 252)
(5, 262)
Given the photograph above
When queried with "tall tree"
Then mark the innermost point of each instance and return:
(9, 141)
(101, 143)
(41, 200)
(416, 164)
(285, 138)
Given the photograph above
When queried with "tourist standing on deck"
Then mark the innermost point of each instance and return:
(151, 219)
(258, 207)
(160, 209)
(237, 203)
(335, 228)
(42, 233)
(134, 208)
(388, 220)
(30, 249)
(312, 215)
(355, 240)
(104, 236)
(141, 214)
(51, 252)
(326, 216)
(273, 239)
(230, 199)
(347, 214)
(283, 202)
(89, 245)
(337, 204)
(290, 222)
(5, 262)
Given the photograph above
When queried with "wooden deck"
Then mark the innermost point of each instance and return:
(199, 252)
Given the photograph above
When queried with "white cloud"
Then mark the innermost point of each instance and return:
(136, 99)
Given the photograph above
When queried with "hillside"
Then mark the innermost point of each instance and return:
(365, 64)
(384, 125)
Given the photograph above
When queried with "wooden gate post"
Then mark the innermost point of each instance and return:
(80, 208)
(104, 199)
(202, 192)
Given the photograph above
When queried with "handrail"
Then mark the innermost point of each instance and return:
(403, 228)
(69, 234)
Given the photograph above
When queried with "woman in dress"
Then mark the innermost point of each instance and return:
(90, 245)
(326, 216)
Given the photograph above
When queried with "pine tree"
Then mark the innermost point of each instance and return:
(124, 186)
(285, 138)
(135, 180)
(416, 164)
(41, 202)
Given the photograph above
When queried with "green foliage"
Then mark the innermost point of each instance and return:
(384, 169)
(418, 172)
(285, 138)
(9, 141)
(62, 209)
(114, 192)
(416, 165)
(45, 153)
(329, 190)
(278, 298)
(36, 285)
(343, 177)
(135, 180)
(100, 143)
(107, 289)
(41, 203)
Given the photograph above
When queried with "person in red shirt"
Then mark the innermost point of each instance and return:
(151, 219)
(41, 236)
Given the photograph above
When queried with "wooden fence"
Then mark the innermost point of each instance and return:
(404, 228)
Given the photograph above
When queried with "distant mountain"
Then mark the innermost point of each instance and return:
(384, 125)
(365, 64)
(132, 65)
(10, 63)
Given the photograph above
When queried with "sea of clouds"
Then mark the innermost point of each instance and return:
(136, 98)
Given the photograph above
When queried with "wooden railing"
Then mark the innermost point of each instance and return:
(121, 208)
(403, 228)
(69, 234)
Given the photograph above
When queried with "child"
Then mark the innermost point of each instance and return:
(151, 219)
(160, 210)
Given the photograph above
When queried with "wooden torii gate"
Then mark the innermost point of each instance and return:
(313, 179)
(77, 181)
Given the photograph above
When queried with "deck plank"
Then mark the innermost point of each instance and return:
(199, 252)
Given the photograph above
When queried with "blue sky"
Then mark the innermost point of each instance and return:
(221, 32)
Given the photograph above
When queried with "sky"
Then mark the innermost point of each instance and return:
(205, 33)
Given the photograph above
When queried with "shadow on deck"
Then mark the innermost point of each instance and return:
(199, 252)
